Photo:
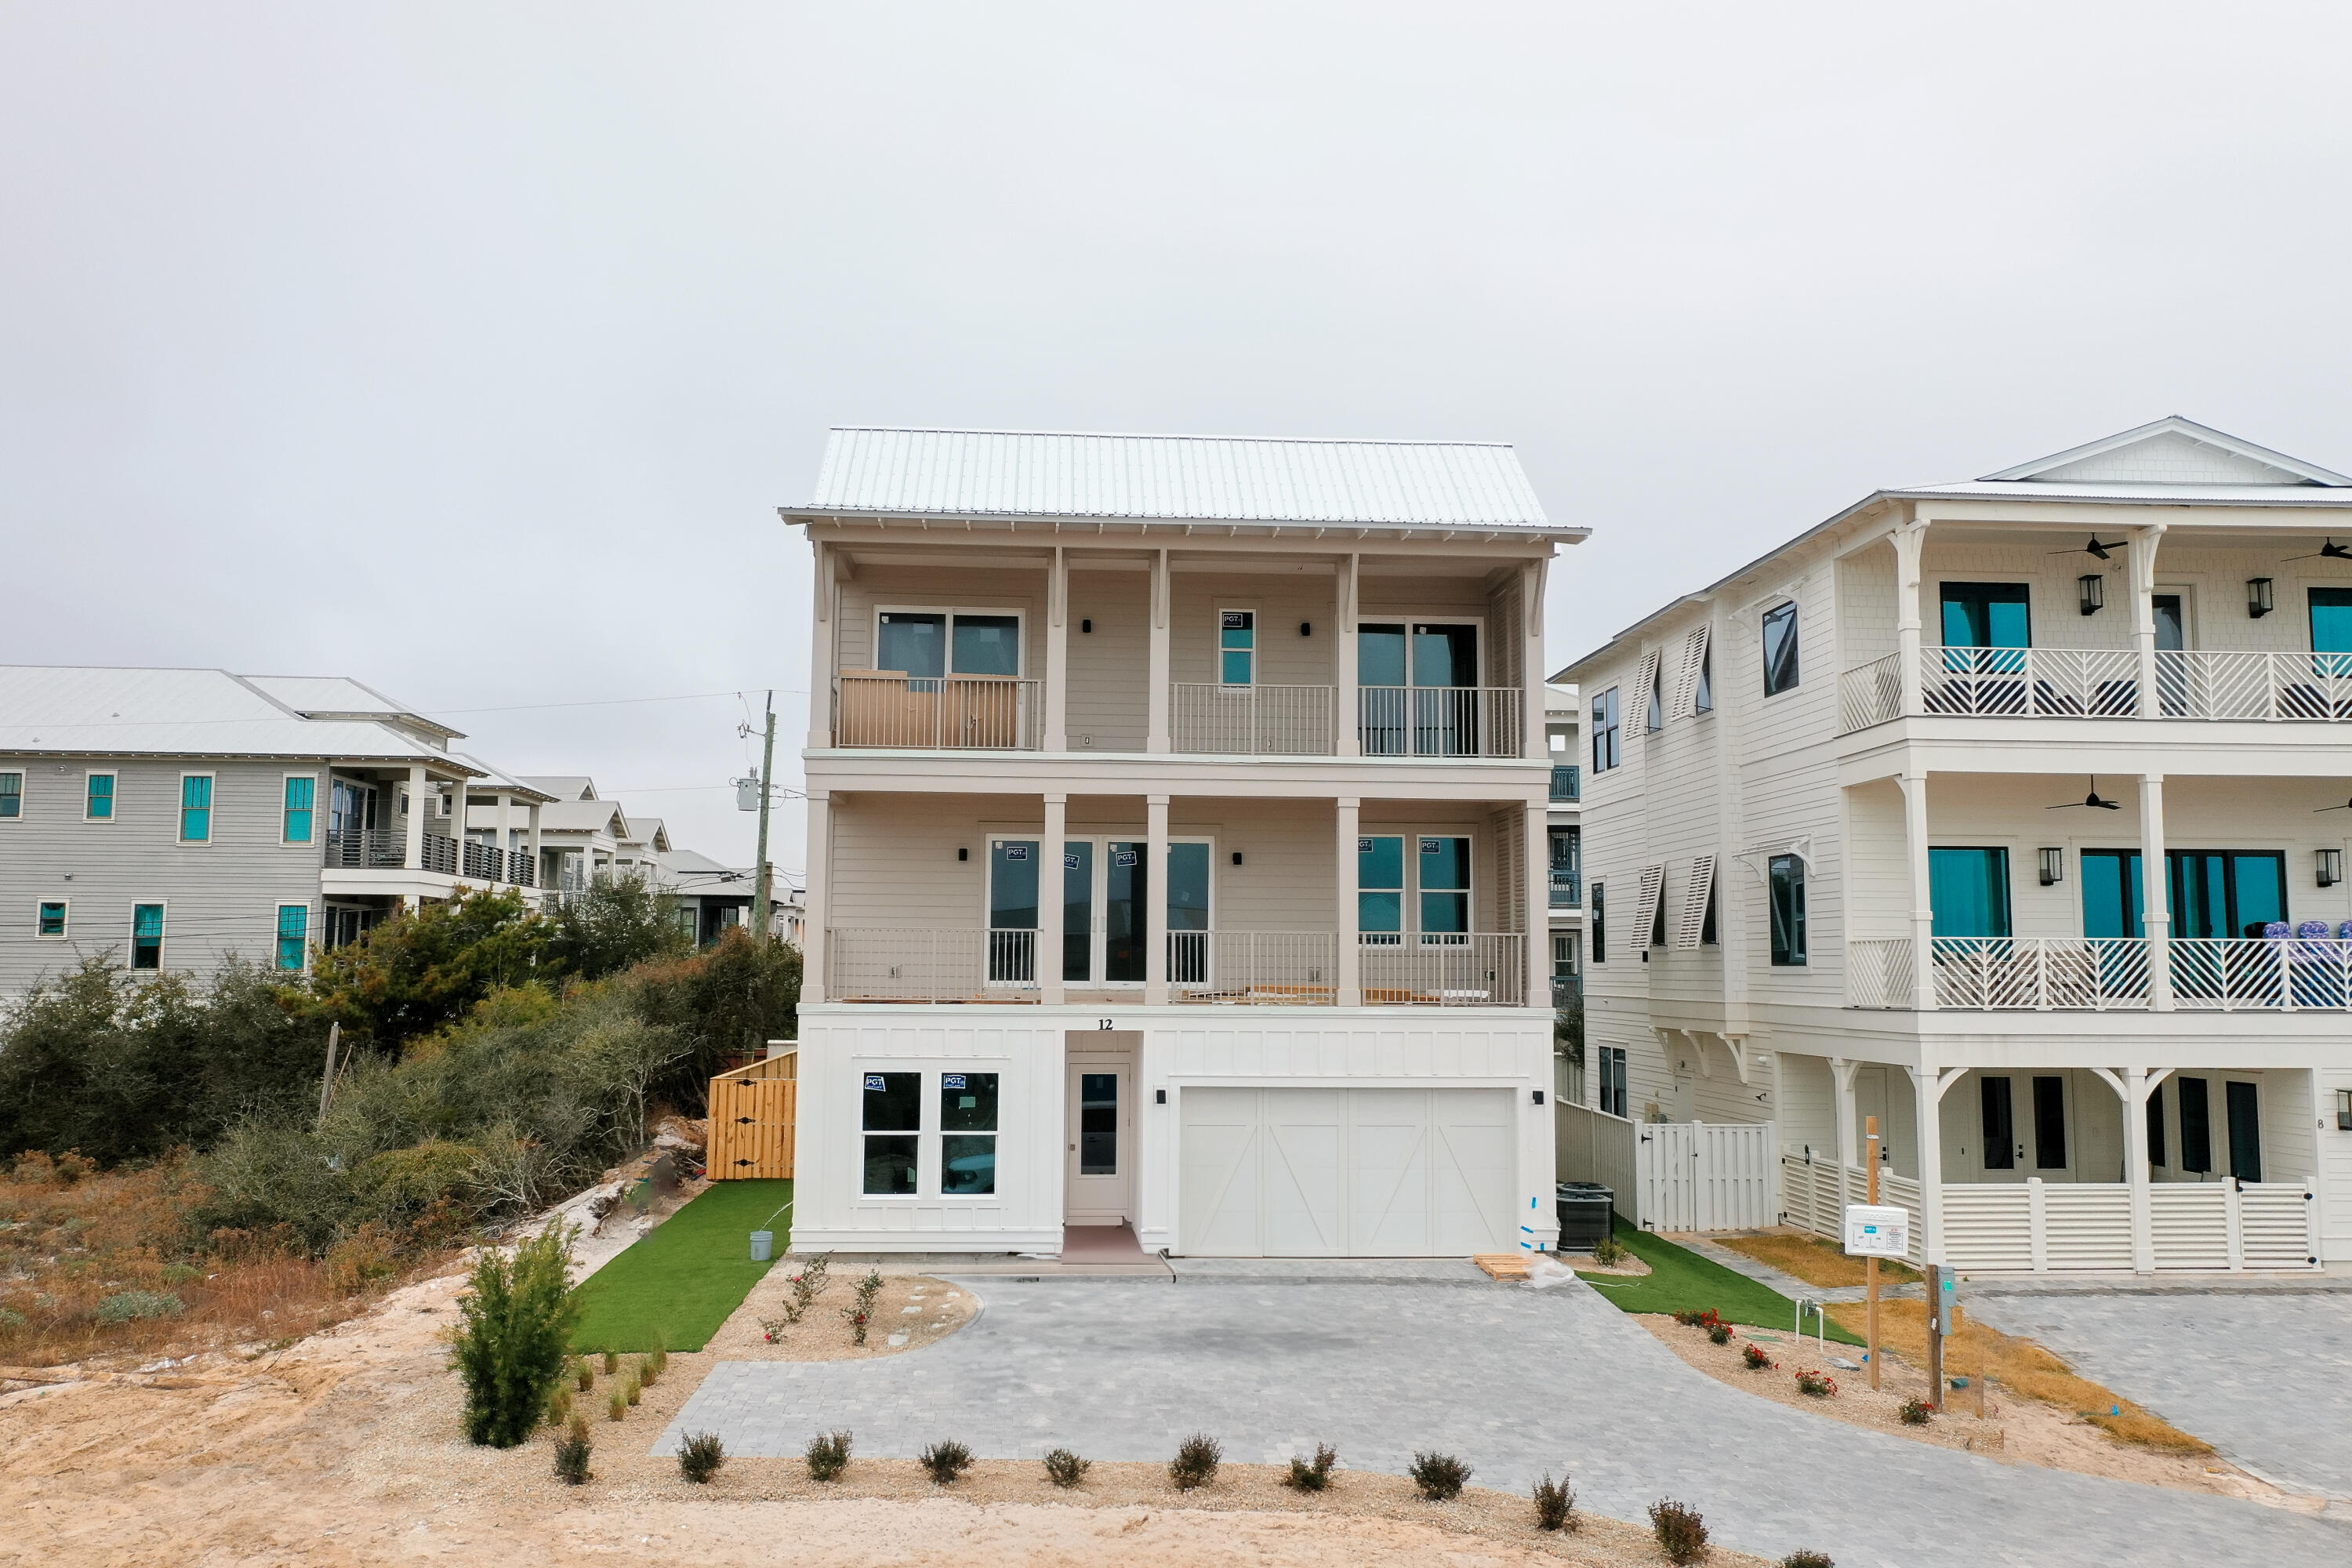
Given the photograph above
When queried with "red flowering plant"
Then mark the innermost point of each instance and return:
(1819, 1384)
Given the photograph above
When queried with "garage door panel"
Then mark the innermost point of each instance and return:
(1303, 1140)
(1388, 1175)
(1475, 1210)
(1221, 1191)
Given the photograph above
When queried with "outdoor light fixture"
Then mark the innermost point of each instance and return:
(962, 852)
(2331, 868)
(2344, 1110)
(2053, 866)
(2094, 587)
(1307, 628)
(2258, 598)
(1085, 625)
(1237, 856)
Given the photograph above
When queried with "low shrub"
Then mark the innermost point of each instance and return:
(1819, 1384)
(1807, 1558)
(1556, 1504)
(1718, 1333)
(616, 1404)
(1440, 1476)
(1065, 1469)
(572, 1451)
(1681, 1531)
(1196, 1460)
(828, 1455)
(134, 1306)
(946, 1462)
(656, 1362)
(806, 1286)
(773, 1329)
(700, 1455)
(1609, 1252)
(512, 1330)
(1754, 1357)
(583, 1376)
(1916, 1412)
(559, 1406)
(648, 1372)
(612, 1362)
(859, 1313)
(1694, 1318)
(1312, 1476)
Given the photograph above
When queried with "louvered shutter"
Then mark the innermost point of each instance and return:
(1645, 915)
(1647, 684)
(1686, 687)
(1688, 930)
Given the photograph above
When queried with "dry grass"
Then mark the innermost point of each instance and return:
(2024, 1369)
(71, 1238)
(1814, 1259)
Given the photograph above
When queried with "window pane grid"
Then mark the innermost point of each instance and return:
(99, 805)
(196, 808)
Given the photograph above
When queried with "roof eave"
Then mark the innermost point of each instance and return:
(803, 516)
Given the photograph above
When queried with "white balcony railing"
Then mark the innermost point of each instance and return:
(1870, 693)
(1439, 720)
(1878, 973)
(1251, 721)
(2237, 973)
(2282, 973)
(974, 712)
(1293, 968)
(2071, 972)
(895, 964)
(2031, 682)
(1486, 968)
(2102, 683)
(2196, 684)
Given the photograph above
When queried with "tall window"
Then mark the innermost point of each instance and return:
(1445, 876)
(1999, 1121)
(1787, 881)
(11, 795)
(892, 1121)
(1779, 649)
(300, 793)
(2156, 1127)
(1604, 731)
(1969, 888)
(1613, 1079)
(98, 800)
(2195, 1126)
(293, 935)
(2245, 1131)
(968, 1133)
(1987, 615)
(196, 808)
(1599, 923)
(1380, 887)
(51, 920)
(1654, 712)
(2049, 1122)
(147, 936)
(1236, 646)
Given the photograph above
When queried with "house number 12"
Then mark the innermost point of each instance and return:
(1104, 1024)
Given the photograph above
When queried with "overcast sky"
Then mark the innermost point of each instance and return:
(469, 350)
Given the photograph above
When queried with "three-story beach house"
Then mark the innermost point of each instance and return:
(1176, 847)
(2013, 813)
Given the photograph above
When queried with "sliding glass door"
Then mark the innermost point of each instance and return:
(1106, 901)
(1420, 688)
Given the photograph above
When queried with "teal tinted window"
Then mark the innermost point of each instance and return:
(1969, 888)
(196, 808)
(916, 644)
(1379, 884)
(1012, 885)
(147, 936)
(1236, 646)
(1445, 878)
(12, 795)
(2331, 629)
(99, 804)
(1187, 886)
(1379, 656)
(293, 935)
(987, 645)
(2111, 893)
(2226, 892)
(1987, 615)
(52, 917)
(300, 795)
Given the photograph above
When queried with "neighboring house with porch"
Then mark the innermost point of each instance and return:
(1177, 847)
(170, 817)
(2013, 810)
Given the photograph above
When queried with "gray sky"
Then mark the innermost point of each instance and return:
(468, 349)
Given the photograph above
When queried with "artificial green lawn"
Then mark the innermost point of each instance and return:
(1681, 1280)
(679, 1280)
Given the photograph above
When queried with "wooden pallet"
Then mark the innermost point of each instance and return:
(1502, 1265)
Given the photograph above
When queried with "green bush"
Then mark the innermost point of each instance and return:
(1555, 1504)
(828, 1455)
(1312, 1476)
(614, 925)
(727, 1002)
(946, 1462)
(1439, 1477)
(131, 1306)
(514, 1331)
(1065, 1469)
(1808, 1559)
(421, 970)
(572, 1451)
(1196, 1461)
(700, 1455)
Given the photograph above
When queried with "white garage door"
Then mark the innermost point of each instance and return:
(1346, 1173)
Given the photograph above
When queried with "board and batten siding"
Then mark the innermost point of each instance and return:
(220, 897)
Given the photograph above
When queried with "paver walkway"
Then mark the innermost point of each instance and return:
(2266, 1379)
(1515, 1381)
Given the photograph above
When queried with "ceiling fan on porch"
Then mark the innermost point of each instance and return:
(2093, 799)
(2328, 550)
(2093, 548)
(2346, 807)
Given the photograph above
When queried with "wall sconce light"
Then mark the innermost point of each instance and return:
(2094, 589)
(2331, 868)
(1237, 856)
(964, 852)
(2053, 866)
(1087, 624)
(1307, 628)
(2344, 1110)
(2258, 598)
(1539, 1096)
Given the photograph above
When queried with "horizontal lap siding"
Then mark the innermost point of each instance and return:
(1281, 601)
(2214, 581)
(1110, 667)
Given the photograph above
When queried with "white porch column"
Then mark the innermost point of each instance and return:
(1842, 1076)
(819, 896)
(1928, 1094)
(1057, 654)
(2140, 556)
(419, 802)
(506, 842)
(2136, 1174)
(1346, 704)
(1532, 743)
(1922, 904)
(1152, 918)
(2155, 895)
(821, 648)
(1350, 947)
(1537, 819)
(457, 824)
(1157, 705)
(1050, 896)
(1909, 540)
(537, 863)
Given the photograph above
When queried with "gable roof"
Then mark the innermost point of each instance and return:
(1051, 474)
(2170, 451)
(563, 786)
(83, 710)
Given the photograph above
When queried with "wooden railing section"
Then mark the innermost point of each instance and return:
(752, 1120)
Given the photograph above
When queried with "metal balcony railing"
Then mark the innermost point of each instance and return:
(1439, 720)
(1484, 969)
(1298, 968)
(956, 712)
(1567, 889)
(369, 848)
(1567, 782)
(1251, 721)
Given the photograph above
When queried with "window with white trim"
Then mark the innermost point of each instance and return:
(50, 921)
(968, 1133)
(293, 936)
(196, 808)
(1236, 648)
(147, 936)
(892, 1121)
(11, 795)
(1779, 629)
(97, 798)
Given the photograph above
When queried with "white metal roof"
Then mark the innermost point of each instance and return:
(79, 711)
(1039, 474)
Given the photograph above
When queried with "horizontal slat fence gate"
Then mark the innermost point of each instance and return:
(1703, 1175)
(752, 1112)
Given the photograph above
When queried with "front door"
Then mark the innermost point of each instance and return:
(1100, 1142)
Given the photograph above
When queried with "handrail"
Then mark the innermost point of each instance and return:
(1251, 721)
(2282, 973)
(1439, 721)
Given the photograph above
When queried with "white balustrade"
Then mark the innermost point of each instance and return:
(1293, 968)
(1870, 693)
(1252, 720)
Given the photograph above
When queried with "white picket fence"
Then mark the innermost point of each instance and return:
(1704, 1175)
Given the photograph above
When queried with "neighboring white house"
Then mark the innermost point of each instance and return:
(1177, 847)
(1866, 829)
(172, 818)
(1566, 855)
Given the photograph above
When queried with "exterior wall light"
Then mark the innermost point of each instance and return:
(2053, 866)
(2258, 598)
(1086, 624)
(2331, 868)
(2344, 1110)
(1307, 628)
(2094, 587)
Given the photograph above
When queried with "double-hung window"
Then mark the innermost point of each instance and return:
(293, 936)
(1787, 882)
(301, 795)
(97, 798)
(1604, 732)
(1379, 889)
(893, 1123)
(11, 795)
(1779, 649)
(968, 1133)
(1438, 898)
(147, 936)
(196, 808)
(1236, 646)
(51, 920)
(1445, 878)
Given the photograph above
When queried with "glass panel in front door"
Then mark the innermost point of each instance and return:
(1381, 673)
(1098, 1124)
(2171, 674)
(1444, 696)
(1127, 886)
(1079, 909)
(1013, 909)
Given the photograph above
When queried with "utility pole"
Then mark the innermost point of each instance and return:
(767, 793)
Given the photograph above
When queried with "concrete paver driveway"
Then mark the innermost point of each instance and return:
(1515, 1381)
(2265, 1379)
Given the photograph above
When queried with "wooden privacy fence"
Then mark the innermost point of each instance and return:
(1591, 1145)
(1704, 1175)
(752, 1116)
